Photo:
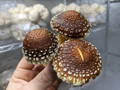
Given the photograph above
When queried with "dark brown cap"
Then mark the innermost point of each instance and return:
(70, 23)
(77, 62)
(38, 45)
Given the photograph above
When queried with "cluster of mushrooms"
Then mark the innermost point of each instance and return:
(74, 59)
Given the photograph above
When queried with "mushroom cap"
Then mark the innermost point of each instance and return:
(77, 62)
(38, 39)
(70, 23)
(39, 45)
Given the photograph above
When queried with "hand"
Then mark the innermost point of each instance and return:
(33, 77)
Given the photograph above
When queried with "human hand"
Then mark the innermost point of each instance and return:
(33, 77)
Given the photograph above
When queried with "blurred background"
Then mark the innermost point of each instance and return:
(17, 17)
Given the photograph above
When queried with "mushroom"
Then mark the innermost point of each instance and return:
(71, 24)
(77, 62)
(39, 46)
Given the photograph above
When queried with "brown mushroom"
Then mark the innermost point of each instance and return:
(77, 62)
(39, 46)
(71, 24)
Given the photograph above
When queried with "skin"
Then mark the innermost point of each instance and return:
(33, 77)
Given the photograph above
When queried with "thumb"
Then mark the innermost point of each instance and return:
(44, 79)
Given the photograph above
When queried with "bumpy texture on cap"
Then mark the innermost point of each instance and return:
(39, 46)
(77, 62)
(70, 23)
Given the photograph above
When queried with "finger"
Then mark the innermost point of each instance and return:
(55, 85)
(24, 71)
(27, 75)
(25, 65)
(38, 68)
(51, 88)
(23, 74)
(44, 79)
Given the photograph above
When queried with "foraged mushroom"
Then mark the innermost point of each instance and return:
(39, 46)
(71, 24)
(77, 62)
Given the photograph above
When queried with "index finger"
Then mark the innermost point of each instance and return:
(23, 64)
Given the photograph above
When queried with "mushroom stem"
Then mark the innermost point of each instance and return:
(61, 38)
